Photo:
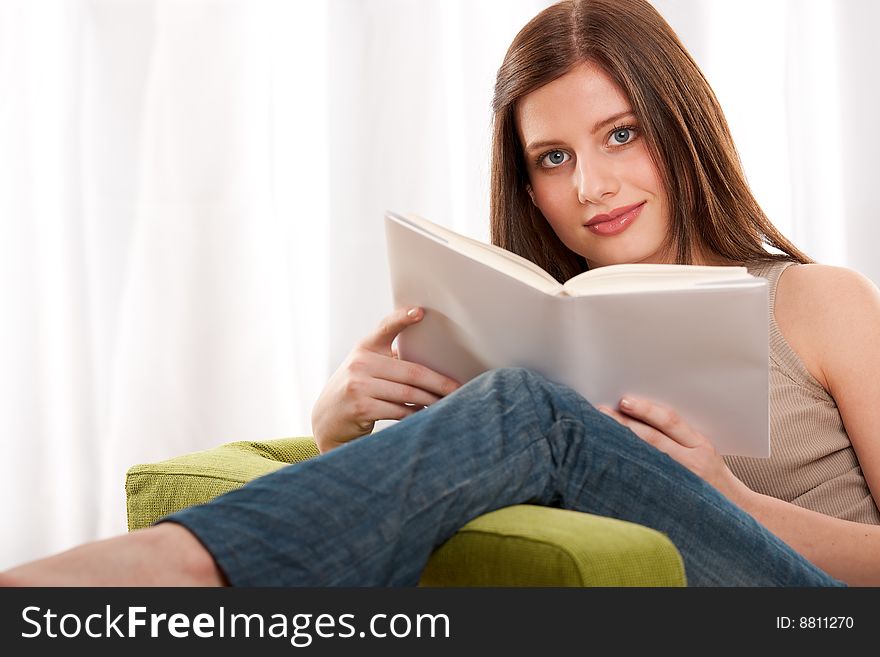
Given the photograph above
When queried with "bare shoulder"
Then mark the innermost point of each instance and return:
(826, 313)
(814, 280)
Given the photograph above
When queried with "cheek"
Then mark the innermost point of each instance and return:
(651, 175)
(651, 179)
(646, 177)
(551, 194)
(642, 172)
(660, 194)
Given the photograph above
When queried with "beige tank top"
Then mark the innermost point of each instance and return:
(812, 463)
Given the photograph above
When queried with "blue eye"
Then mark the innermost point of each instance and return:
(621, 136)
(554, 159)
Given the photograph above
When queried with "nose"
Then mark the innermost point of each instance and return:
(596, 180)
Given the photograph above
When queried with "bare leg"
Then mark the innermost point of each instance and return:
(164, 555)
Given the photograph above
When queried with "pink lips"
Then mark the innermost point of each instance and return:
(615, 222)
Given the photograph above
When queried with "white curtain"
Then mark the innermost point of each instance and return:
(191, 198)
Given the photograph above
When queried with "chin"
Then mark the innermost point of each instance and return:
(624, 257)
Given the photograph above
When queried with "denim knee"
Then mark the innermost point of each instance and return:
(505, 376)
(543, 393)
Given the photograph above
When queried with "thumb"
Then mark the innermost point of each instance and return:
(389, 328)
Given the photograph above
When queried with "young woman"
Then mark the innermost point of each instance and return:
(609, 147)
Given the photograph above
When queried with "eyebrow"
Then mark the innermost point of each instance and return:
(535, 145)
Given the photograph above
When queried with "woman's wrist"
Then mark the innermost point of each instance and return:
(738, 493)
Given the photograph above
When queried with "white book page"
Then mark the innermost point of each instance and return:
(502, 260)
(652, 277)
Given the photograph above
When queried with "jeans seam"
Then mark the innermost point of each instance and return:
(353, 566)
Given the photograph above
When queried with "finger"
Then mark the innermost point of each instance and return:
(610, 412)
(377, 410)
(649, 434)
(640, 429)
(662, 418)
(419, 376)
(401, 393)
(368, 365)
(390, 327)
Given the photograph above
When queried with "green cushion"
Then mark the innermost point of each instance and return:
(154, 490)
(528, 545)
(521, 545)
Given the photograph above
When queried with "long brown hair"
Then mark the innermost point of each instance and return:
(712, 208)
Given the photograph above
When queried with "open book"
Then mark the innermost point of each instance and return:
(691, 337)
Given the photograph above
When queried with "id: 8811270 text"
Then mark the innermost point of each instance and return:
(814, 622)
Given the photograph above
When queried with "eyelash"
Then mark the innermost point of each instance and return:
(631, 128)
(540, 158)
(616, 128)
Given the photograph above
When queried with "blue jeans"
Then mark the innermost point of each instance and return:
(371, 512)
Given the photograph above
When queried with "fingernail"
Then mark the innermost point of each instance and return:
(626, 403)
(413, 312)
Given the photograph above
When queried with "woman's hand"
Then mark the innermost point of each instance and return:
(664, 429)
(373, 384)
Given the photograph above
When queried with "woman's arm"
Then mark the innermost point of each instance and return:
(831, 318)
(849, 551)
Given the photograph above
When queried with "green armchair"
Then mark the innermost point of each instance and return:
(521, 545)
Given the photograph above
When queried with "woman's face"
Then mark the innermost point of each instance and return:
(590, 171)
